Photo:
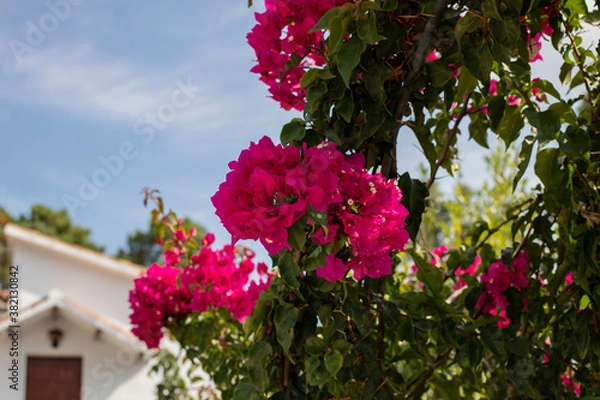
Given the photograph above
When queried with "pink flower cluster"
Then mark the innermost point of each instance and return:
(570, 383)
(371, 215)
(282, 32)
(270, 187)
(534, 43)
(215, 279)
(498, 278)
(439, 256)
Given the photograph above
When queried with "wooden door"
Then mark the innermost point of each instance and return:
(53, 378)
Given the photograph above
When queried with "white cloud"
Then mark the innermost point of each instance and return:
(79, 81)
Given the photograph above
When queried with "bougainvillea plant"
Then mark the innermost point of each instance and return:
(339, 316)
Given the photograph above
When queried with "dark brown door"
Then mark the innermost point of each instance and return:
(53, 378)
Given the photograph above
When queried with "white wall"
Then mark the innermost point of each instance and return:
(104, 292)
(109, 371)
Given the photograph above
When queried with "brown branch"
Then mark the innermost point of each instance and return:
(381, 327)
(499, 226)
(581, 68)
(420, 380)
(451, 134)
(388, 164)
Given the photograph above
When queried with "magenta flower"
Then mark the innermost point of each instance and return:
(433, 56)
(215, 279)
(534, 45)
(333, 270)
(498, 278)
(493, 91)
(570, 383)
(281, 32)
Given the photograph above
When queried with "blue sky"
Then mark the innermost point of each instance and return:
(83, 82)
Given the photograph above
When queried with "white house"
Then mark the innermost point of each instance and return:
(70, 338)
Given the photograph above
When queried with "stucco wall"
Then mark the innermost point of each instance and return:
(103, 291)
(109, 371)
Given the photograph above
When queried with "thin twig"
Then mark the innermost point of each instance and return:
(388, 164)
(451, 134)
(499, 226)
(581, 69)
(420, 380)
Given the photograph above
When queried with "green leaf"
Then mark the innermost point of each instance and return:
(468, 24)
(289, 270)
(489, 342)
(345, 106)
(374, 81)
(333, 362)
(314, 345)
(293, 131)
(496, 109)
(389, 5)
(575, 142)
(439, 72)
(338, 28)
(342, 346)
(309, 77)
(546, 122)
(524, 157)
(316, 373)
(429, 274)
(546, 164)
(511, 124)
(367, 29)
(576, 7)
(476, 56)
(297, 235)
(557, 180)
(325, 21)
(547, 87)
(414, 193)
(285, 320)
(349, 56)
(519, 346)
(489, 10)
(245, 390)
(466, 84)
(505, 32)
(314, 92)
(478, 128)
(319, 218)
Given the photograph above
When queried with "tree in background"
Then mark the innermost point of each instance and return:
(454, 217)
(55, 223)
(58, 224)
(143, 247)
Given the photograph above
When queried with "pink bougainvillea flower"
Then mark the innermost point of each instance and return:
(513, 100)
(433, 56)
(281, 32)
(493, 88)
(470, 270)
(215, 279)
(498, 278)
(546, 28)
(269, 188)
(333, 270)
(570, 383)
(172, 257)
(504, 322)
(154, 297)
(537, 92)
(534, 45)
